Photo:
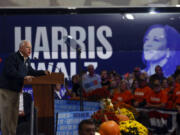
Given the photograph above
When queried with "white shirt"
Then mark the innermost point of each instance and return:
(21, 103)
(58, 93)
(91, 82)
(25, 58)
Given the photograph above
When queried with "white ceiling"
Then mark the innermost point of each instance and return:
(86, 3)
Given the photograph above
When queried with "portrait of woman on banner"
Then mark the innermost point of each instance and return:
(161, 45)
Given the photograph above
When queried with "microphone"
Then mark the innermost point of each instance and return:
(71, 42)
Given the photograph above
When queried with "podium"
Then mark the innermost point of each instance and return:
(44, 100)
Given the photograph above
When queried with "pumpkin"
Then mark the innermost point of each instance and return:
(109, 128)
(122, 117)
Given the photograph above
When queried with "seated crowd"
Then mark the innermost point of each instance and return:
(136, 88)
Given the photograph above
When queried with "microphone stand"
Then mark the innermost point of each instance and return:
(72, 43)
(78, 49)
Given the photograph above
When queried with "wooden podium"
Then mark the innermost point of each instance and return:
(44, 100)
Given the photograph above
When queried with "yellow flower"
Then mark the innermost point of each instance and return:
(133, 127)
(126, 112)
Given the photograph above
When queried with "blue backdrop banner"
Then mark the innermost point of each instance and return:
(74, 105)
(111, 41)
(67, 123)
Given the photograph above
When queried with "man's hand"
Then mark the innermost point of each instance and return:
(21, 113)
(28, 78)
(47, 72)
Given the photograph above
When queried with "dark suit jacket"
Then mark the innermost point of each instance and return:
(14, 71)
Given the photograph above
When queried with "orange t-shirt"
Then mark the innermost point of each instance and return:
(157, 98)
(124, 97)
(177, 85)
(170, 98)
(176, 95)
(115, 90)
(141, 94)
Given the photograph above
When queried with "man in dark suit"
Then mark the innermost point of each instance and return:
(16, 69)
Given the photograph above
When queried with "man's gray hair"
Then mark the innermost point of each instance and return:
(23, 42)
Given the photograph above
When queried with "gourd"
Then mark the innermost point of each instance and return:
(109, 128)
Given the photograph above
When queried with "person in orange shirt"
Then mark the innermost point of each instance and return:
(113, 87)
(157, 97)
(123, 95)
(141, 94)
(177, 79)
(164, 83)
(177, 92)
(170, 93)
(176, 95)
(134, 86)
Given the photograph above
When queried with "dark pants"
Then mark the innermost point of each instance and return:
(23, 128)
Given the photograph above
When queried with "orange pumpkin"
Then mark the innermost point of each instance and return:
(122, 117)
(109, 128)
